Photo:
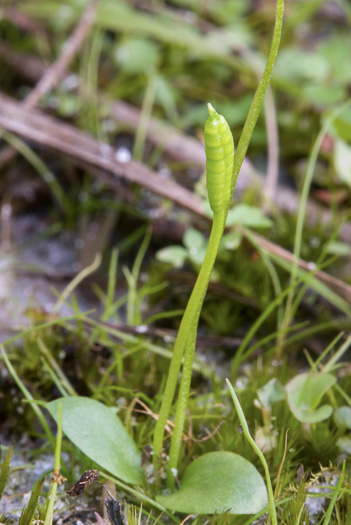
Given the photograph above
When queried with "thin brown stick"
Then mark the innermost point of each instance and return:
(206, 438)
(55, 73)
(57, 70)
(79, 145)
(339, 287)
(186, 519)
(178, 146)
(149, 412)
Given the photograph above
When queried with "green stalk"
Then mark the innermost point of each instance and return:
(257, 102)
(197, 297)
(247, 434)
(56, 478)
(219, 148)
(187, 326)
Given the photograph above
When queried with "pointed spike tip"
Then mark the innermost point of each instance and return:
(211, 110)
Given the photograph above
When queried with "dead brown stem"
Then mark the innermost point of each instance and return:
(81, 146)
(55, 73)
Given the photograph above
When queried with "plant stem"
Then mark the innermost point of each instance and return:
(197, 295)
(187, 326)
(247, 434)
(257, 102)
(55, 482)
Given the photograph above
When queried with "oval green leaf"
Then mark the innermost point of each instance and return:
(216, 482)
(97, 431)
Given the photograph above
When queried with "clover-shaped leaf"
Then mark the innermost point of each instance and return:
(305, 392)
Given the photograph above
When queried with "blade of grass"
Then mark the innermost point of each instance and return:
(54, 377)
(240, 355)
(336, 494)
(133, 317)
(47, 175)
(28, 511)
(5, 468)
(111, 285)
(199, 366)
(317, 285)
(146, 110)
(60, 375)
(335, 358)
(36, 328)
(247, 434)
(28, 396)
(76, 281)
(301, 217)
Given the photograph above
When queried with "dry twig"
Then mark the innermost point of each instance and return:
(82, 147)
(55, 73)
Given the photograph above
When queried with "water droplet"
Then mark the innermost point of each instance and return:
(141, 329)
(123, 154)
(71, 82)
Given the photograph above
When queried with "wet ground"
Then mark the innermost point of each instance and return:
(35, 267)
(26, 468)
